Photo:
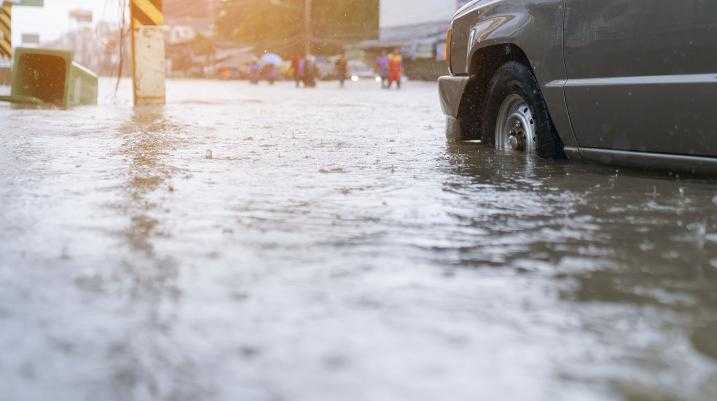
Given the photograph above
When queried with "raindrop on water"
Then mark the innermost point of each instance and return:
(700, 232)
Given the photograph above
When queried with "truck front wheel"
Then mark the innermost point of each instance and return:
(515, 117)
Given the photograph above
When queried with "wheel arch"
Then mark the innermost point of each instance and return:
(484, 62)
(490, 33)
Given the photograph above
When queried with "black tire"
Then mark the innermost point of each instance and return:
(514, 78)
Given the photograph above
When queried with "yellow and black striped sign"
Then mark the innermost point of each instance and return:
(6, 30)
(147, 12)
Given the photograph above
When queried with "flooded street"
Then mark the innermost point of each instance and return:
(267, 243)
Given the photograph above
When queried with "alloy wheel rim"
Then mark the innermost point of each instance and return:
(515, 126)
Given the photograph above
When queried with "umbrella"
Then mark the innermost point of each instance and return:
(271, 58)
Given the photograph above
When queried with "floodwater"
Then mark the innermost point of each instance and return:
(266, 243)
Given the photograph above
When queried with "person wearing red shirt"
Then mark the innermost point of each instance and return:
(395, 67)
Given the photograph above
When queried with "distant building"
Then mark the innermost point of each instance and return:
(180, 34)
(30, 39)
(97, 48)
(419, 29)
(197, 17)
(401, 12)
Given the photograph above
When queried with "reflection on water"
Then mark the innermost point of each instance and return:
(144, 358)
(643, 243)
(148, 138)
(253, 248)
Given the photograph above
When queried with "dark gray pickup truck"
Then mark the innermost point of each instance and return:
(630, 82)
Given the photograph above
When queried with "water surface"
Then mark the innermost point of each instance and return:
(266, 243)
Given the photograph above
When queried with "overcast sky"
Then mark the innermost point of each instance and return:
(52, 20)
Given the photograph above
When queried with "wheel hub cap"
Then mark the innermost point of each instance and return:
(515, 126)
(516, 137)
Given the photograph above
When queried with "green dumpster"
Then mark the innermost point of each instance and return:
(50, 77)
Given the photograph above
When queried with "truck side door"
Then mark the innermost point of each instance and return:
(642, 74)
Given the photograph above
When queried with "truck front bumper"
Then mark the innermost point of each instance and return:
(451, 90)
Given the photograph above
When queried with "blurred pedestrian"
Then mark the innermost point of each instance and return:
(395, 68)
(254, 71)
(269, 73)
(382, 69)
(342, 69)
(309, 74)
(296, 69)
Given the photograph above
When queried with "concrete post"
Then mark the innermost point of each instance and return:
(148, 53)
(6, 30)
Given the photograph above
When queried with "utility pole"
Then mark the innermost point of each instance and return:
(6, 30)
(307, 26)
(148, 52)
(6, 22)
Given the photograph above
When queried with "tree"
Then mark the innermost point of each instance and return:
(345, 20)
(278, 25)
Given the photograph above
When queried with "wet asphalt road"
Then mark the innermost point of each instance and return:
(266, 243)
